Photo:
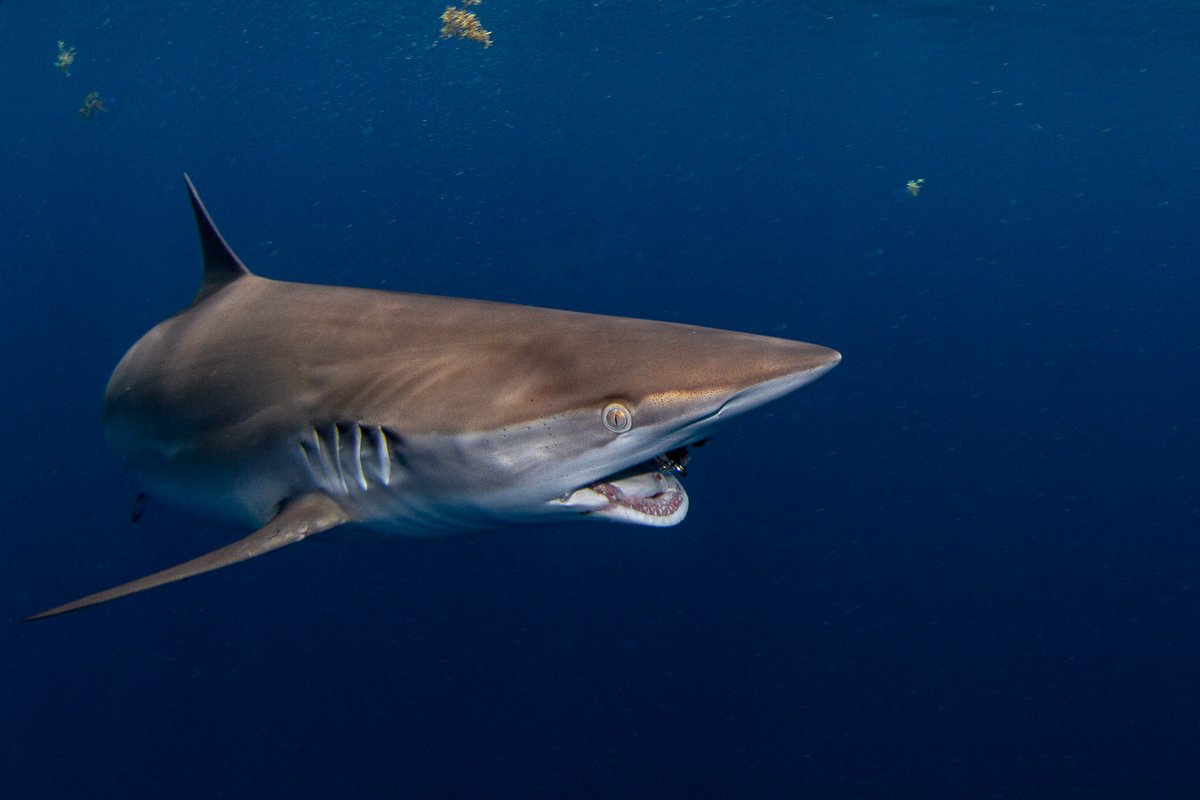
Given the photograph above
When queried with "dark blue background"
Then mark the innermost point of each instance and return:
(964, 564)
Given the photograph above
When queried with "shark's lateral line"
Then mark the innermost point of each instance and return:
(296, 408)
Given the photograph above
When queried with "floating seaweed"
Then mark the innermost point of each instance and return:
(93, 104)
(464, 24)
(65, 58)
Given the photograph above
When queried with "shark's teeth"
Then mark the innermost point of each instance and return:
(663, 504)
(649, 498)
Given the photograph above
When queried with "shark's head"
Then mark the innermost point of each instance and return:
(599, 421)
(729, 374)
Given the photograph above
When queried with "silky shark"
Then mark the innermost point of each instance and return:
(296, 408)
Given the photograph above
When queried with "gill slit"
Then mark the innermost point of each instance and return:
(347, 457)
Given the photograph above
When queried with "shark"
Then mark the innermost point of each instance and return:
(292, 409)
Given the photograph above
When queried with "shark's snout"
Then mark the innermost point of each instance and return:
(800, 365)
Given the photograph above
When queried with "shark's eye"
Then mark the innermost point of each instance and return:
(617, 418)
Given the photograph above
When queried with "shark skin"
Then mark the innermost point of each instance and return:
(295, 408)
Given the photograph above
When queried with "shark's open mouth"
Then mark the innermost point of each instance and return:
(648, 494)
(652, 498)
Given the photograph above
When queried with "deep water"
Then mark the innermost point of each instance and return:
(964, 564)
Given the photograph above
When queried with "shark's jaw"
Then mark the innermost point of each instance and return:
(649, 494)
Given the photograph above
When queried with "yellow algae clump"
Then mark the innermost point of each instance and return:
(92, 104)
(65, 58)
(464, 24)
(914, 186)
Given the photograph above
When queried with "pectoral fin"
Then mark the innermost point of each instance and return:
(299, 519)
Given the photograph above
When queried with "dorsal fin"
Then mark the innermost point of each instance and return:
(221, 265)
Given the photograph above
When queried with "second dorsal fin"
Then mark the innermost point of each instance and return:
(221, 265)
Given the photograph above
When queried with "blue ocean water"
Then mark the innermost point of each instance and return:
(963, 564)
